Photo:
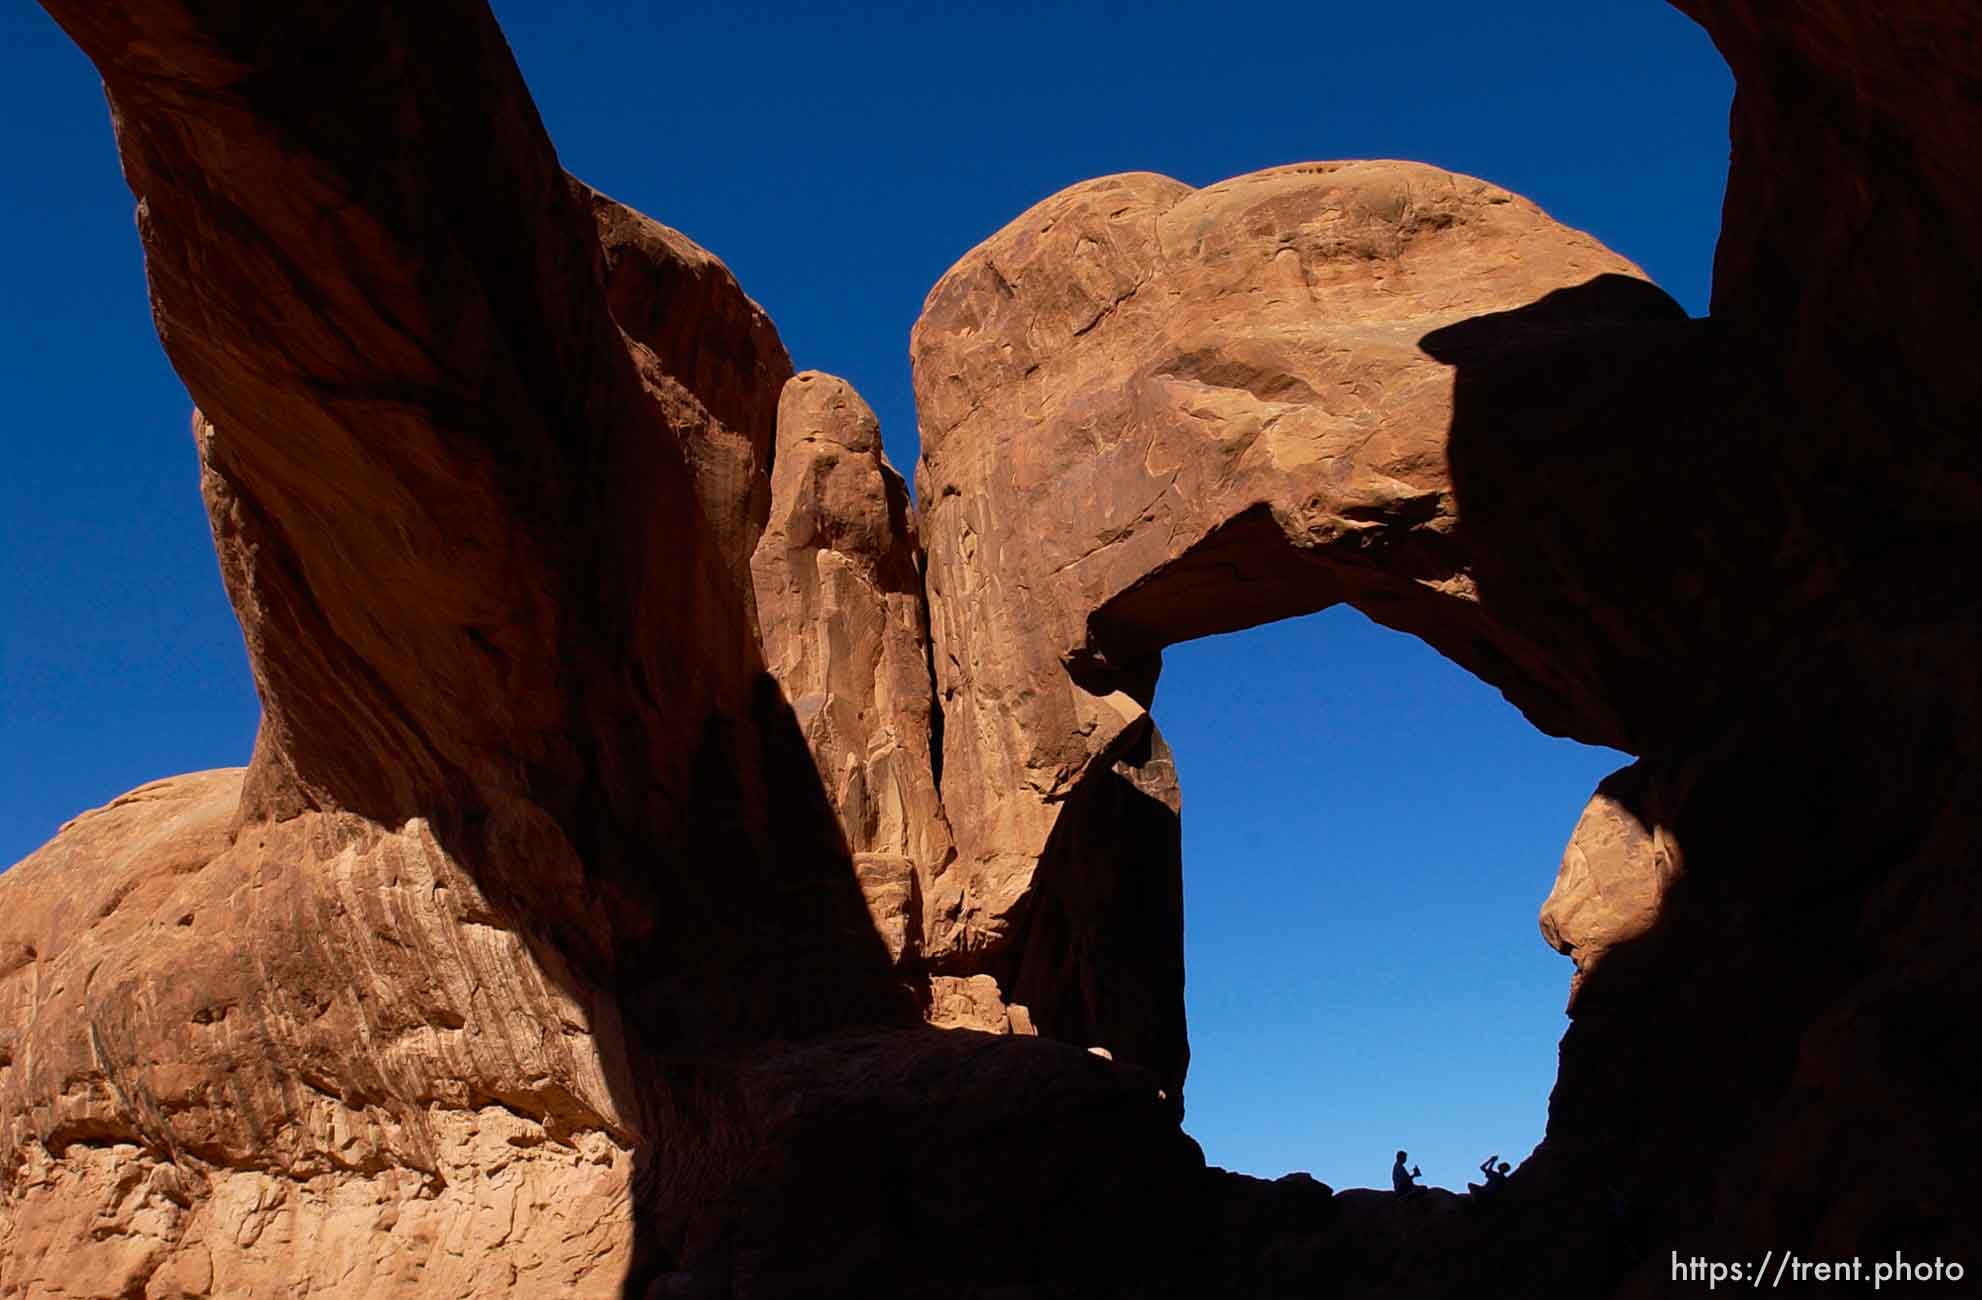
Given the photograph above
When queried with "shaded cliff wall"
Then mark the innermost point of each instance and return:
(1733, 547)
(486, 456)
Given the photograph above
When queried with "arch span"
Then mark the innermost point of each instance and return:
(1152, 414)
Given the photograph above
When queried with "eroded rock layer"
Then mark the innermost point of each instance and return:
(839, 600)
(529, 954)
(485, 456)
(565, 933)
(310, 1057)
(1152, 413)
(709, 357)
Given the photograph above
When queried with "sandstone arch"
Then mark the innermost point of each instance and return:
(487, 507)
(1152, 414)
(1144, 421)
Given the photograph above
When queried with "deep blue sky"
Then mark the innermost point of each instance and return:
(1368, 831)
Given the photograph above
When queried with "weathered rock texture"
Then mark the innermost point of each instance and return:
(495, 955)
(710, 358)
(1819, 944)
(308, 1057)
(1152, 413)
(545, 948)
(313, 1057)
(1612, 883)
(839, 601)
(466, 426)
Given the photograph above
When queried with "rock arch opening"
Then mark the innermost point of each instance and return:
(1151, 414)
(1367, 834)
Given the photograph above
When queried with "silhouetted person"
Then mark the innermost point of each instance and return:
(1401, 1179)
(1495, 1178)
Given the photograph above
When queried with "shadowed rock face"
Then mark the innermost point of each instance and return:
(1852, 200)
(709, 358)
(1818, 946)
(502, 873)
(1152, 413)
(565, 933)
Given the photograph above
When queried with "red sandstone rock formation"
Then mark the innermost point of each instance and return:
(507, 827)
(530, 956)
(307, 1054)
(839, 600)
(709, 357)
(1142, 424)
(1152, 413)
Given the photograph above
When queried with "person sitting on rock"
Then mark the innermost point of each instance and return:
(1495, 1178)
(1402, 1179)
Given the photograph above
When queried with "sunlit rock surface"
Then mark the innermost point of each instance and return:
(839, 600)
(605, 857)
